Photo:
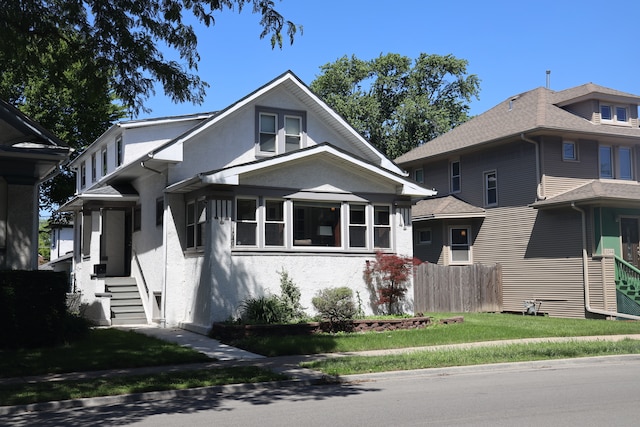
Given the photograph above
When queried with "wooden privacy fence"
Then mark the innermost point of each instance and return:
(460, 288)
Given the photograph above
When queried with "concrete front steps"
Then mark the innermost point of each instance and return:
(126, 304)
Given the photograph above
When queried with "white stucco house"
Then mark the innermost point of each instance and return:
(179, 219)
(29, 155)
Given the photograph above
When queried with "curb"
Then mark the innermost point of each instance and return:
(154, 395)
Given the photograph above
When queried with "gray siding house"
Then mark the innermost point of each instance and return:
(546, 184)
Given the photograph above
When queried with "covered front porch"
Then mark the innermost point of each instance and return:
(610, 216)
(106, 268)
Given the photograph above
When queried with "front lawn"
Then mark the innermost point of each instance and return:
(476, 327)
(103, 349)
(423, 359)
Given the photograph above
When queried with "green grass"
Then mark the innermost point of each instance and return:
(476, 327)
(473, 356)
(103, 349)
(17, 394)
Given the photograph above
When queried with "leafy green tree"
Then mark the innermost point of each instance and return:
(126, 39)
(396, 103)
(75, 103)
(75, 66)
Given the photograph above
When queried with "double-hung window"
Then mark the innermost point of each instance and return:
(279, 131)
(274, 223)
(454, 170)
(246, 222)
(357, 226)
(196, 222)
(490, 188)
(616, 162)
(459, 245)
(381, 227)
(292, 133)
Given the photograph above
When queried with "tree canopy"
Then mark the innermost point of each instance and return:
(396, 103)
(76, 66)
(127, 39)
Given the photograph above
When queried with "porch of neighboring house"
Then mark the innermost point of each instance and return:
(617, 245)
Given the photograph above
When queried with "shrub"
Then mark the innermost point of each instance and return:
(290, 297)
(387, 278)
(263, 310)
(335, 305)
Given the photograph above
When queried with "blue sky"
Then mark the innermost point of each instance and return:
(509, 44)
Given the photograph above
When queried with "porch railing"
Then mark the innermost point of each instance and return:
(628, 281)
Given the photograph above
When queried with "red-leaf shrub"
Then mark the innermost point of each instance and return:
(388, 278)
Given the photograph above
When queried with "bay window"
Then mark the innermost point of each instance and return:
(267, 223)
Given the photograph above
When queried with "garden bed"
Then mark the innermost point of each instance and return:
(226, 332)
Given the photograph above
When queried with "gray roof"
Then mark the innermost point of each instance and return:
(627, 193)
(445, 207)
(538, 109)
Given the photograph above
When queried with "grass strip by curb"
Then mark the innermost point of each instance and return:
(19, 394)
(472, 356)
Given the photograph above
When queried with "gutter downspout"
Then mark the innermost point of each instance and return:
(540, 193)
(585, 273)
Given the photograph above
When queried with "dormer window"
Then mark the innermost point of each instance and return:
(279, 131)
(614, 113)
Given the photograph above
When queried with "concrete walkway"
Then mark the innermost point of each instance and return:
(224, 355)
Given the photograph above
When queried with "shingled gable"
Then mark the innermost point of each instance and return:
(537, 110)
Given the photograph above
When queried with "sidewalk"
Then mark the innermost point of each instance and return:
(224, 355)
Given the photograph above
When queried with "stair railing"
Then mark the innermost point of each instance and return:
(627, 278)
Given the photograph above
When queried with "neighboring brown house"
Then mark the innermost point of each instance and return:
(29, 154)
(545, 183)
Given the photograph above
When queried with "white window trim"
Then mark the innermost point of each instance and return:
(119, 151)
(104, 159)
(367, 220)
(83, 174)
(485, 176)
(280, 115)
(614, 114)
(259, 219)
(263, 221)
(289, 245)
(469, 243)
(197, 221)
